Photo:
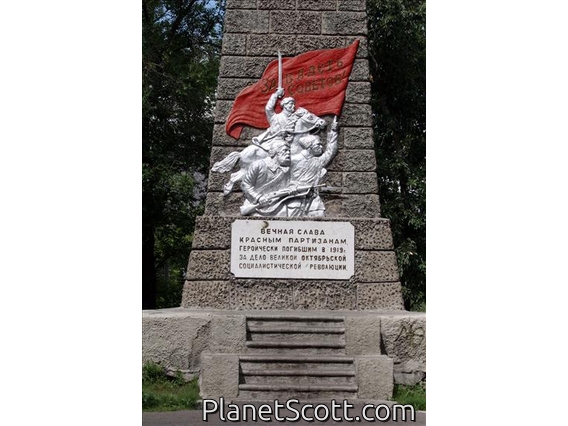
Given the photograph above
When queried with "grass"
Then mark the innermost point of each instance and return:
(413, 395)
(163, 393)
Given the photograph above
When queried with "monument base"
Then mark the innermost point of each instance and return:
(261, 355)
(375, 284)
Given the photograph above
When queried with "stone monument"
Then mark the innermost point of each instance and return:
(292, 287)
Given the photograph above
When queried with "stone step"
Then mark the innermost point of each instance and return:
(297, 359)
(326, 372)
(273, 329)
(300, 396)
(291, 366)
(293, 321)
(307, 337)
(277, 317)
(298, 388)
(290, 344)
(298, 380)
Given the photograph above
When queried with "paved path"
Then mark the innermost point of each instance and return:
(194, 417)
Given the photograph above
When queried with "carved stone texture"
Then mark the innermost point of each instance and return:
(219, 376)
(358, 93)
(209, 265)
(268, 45)
(243, 67)
(246, 21)
(295, 22)
(229, 88)
(170, 338)
(228, 334)
(362, 335)
(360, 71)
(352, 206)
(404, 340)
(372, 234)
(325, 295)
(359, 115)
(357, 160)
(360, 183)
(241, 4)
(277, 4)
(360, 206)
(333, 179)
(216, 204)
(317, 5)
(222, 110)
(305, 43)
(234, 44)
(375, 377)
(363, 50)
(212, 232)
(262, 294)
(358, 138)
(379, 296)
(351, 5)
(347, 23)
(375, 266)
(206, 294)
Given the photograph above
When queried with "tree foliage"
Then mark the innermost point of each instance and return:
(397, 52)
(180, 60)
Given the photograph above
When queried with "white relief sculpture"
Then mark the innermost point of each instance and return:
(301, 121)
(282, 169)
(282, 123)
(308, 169)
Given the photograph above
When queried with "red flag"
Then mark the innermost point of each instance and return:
(316, 80)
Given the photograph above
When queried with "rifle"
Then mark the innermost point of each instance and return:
(279, 197)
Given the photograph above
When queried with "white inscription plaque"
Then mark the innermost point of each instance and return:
(292, 249)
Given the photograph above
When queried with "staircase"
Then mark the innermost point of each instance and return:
(296, 356)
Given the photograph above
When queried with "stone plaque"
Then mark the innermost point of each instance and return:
(292, 249)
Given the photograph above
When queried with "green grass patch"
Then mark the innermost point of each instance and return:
(413, 395)
(161, 392)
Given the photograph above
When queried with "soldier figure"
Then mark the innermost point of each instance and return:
(267, 176)
(308, 168)
(279, 122)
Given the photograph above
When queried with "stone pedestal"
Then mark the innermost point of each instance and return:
(210, 284)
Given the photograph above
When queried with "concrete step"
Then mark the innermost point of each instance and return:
(293, 363)
(292, 329)
(326, 372)
(299, 380)
(297, 358)
(293, 322)
(301, 396)
(309, 337)
(298, 388)
(277, 317)
(291, 344)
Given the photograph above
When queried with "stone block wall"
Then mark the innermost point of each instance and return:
(253, 33)
(210, 284)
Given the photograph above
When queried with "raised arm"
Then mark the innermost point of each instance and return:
(271, 104)
(331, 146)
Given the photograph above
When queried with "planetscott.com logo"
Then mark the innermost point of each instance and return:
(292, 410)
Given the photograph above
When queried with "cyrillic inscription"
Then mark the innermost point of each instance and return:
(292, 249)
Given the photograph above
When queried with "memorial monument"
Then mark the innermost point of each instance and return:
(292, 286)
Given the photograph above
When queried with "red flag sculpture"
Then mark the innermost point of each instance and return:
(316, 80)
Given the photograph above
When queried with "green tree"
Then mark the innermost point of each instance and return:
(397, 52)
(180, 59)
